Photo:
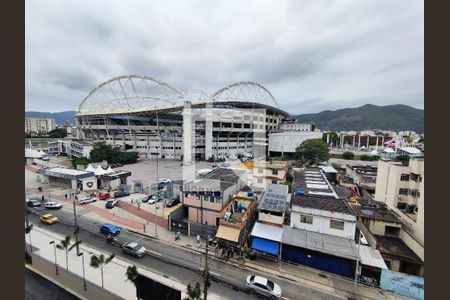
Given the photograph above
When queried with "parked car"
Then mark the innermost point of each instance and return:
(33, 203)
(154, 198)
(104, 196)
(172, 202)
(111, 203)
(49, 219)
(146, 198)
(134, 249)
(120, 194)
(86, 199)
(53, 205)
(111, 229)
(263, 286)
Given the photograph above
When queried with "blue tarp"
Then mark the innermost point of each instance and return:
(264, 245)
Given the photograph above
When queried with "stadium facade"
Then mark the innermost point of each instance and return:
(151, 117)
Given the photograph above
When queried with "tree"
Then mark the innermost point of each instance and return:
(336, 165)
(133, 275)
(58, 133)
(100, 261)
(194, 292)
(102, 151)
(312, 151)
(65, 245)
(348, 155)
(80, 161)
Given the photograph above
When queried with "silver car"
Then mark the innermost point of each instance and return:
(263, 286)
(134, 249)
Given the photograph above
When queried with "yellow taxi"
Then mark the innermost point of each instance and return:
(49, 219)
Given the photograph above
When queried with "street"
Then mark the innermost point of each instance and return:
(186, 266)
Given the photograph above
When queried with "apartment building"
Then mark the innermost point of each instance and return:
(206, 197)
(236, 219)
(267, 172)
(39, 125)
(71, 148)
(401, 187)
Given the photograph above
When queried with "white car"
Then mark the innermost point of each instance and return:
(86, 199)
(263, 286)
(53, 205)
(154, 199)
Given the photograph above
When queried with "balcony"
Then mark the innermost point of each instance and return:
(237, 212)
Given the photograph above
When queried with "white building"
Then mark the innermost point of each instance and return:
(39, 125)
(70, 148)
(286, 142)
(294, 126)
(401, 187)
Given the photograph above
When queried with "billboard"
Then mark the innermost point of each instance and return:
(402, 284)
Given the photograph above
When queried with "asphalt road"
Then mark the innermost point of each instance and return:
(185, 266)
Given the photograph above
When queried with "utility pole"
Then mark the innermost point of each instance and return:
(206, 272)
(357, 258)
(76, 227)
(157, 169)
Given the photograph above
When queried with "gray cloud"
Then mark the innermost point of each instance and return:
(312, 55)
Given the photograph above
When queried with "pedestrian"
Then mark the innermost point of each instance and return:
(198, 239)
(139, 205)
(65, 196)
(43, 198)
(76, 197)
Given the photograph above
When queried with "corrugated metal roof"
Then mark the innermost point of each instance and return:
(269, 232)
(324, 243)
(371, 257)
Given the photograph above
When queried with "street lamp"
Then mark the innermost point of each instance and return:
(84, 274)
(56, 262)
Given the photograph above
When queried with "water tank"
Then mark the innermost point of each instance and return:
(250, 194)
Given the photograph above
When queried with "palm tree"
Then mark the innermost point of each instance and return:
(28, 231)
(99, 261)
(65, 245)
(132, 275)
(194, 293)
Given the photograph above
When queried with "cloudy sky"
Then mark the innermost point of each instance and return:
(312, 55)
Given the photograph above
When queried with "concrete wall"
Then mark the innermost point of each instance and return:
(265, 217)
(86, 181)
(286, 142)
(321, 222)
(73, 282)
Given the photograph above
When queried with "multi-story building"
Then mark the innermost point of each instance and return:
(295, 126)
(71, 148)
(285, 142)
(267, 172)
(401, 187)
(39, 125)
(322, 227)
(236, 218)
(206, 197)
(364, 177)
(268, 230)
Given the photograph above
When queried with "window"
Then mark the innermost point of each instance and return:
(306, 219)
(274, 172)
(401, 205)
(415, 193)
(403, 192)
(260, 180)
(391, 231)
(404, 177)
(337, 224)
(260, 170)
(274, 181)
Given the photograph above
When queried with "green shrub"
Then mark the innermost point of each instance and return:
(348, 155)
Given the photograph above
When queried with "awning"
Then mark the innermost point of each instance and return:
(228, 233)
(266, 246)
(269, 232)
(371, 257)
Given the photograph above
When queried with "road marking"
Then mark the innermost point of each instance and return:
(215, 274)
(153, 252)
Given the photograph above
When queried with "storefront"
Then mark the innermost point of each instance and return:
(72, 179)
(114, 181)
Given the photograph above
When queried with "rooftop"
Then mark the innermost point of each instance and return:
(320, 242)
(376, 213)
(322, 203)
(274, 199)
(313, 182)
(395, 247)
(268, 232)
(275, 164)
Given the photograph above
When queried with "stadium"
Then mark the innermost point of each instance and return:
(153, 118)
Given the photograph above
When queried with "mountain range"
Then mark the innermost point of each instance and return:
(390, 117)
(396, 117)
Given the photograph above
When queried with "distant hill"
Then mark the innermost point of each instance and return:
(390, 117)
(60, 117)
